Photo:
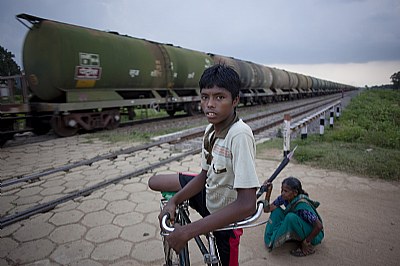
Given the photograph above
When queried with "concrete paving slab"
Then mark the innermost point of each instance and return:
(118, 225)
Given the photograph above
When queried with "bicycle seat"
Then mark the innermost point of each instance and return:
(167, 194)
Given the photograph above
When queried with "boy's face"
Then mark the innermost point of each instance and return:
(217, 104)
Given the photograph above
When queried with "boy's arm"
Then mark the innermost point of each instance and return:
(243, 207)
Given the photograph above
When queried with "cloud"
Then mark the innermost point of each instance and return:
(262, 31)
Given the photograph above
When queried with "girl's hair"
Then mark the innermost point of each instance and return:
(294, 184)
(222, 76)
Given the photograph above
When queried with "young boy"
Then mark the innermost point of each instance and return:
(225, 190)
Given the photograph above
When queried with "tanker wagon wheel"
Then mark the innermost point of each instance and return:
(113, 117)
(4, 137)
(112, 125)
(60, 128)
(192, 108)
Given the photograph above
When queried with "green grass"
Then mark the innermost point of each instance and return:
(130, 136)
(134, 136)
(148, 113)
(364, 141)
(355, 158)
(113, 137)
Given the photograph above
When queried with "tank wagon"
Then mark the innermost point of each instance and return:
(81, 78)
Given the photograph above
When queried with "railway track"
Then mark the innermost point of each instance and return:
(173, 138)
(258, 123)
(28, 137)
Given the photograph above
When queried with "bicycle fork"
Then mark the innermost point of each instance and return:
(211, 257)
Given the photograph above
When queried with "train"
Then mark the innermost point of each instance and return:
(81, 78)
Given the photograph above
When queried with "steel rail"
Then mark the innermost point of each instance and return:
(44, 207)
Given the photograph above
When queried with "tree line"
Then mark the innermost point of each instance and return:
(395, 78)
(8, 67)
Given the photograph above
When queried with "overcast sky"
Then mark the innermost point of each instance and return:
(355, 42)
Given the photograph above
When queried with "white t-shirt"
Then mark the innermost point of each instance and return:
(232, 166)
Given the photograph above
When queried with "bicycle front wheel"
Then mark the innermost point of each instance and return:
(173, 259)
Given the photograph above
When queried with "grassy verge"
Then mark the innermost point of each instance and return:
(131, 136)
(134, 136)
(365, 140)
(148, 113)
(113, 137)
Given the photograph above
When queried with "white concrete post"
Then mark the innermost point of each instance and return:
(286, 134)
(304, 132)
(322, 124)
(337, 111)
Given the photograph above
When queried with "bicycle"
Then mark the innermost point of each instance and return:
(210, 254)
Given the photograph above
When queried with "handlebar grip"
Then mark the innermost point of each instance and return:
(164, 224)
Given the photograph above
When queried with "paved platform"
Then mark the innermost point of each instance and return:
(118, 225)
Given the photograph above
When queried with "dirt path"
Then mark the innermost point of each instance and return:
(361, 221)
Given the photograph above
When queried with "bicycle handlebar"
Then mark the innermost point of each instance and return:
(164, 224)
(248, 222)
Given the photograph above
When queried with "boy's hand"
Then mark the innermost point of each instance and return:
(170, 208)
(178, 238)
